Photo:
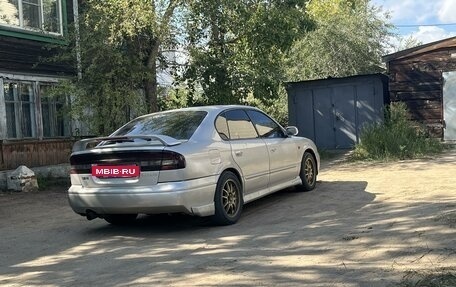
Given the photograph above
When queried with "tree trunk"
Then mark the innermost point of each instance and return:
(151, 85)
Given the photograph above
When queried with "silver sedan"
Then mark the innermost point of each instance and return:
(204, 161)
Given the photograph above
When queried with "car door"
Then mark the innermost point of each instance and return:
(248, 151)
(283, 151)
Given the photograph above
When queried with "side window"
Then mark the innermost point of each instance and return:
(39, 15)
(222, 127)
(239, 125)
(53, 113)
(265, 126)
(20, 109)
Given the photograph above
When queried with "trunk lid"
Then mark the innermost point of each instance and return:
(119, 161)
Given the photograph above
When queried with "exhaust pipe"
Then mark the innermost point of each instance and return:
(91, 215)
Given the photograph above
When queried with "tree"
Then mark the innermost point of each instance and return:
(405, 43)
(349, 40)
(237, 48)
(141, 27)
(123, 46)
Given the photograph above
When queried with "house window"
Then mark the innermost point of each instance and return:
(55, 123)
(43, 15)
(20, 109)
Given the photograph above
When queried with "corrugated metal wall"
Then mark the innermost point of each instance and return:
(332, 112)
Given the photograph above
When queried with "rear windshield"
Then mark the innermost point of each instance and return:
(177, 124)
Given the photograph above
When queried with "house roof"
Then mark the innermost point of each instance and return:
(449, 42)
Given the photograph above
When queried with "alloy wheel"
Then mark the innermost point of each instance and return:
(309, 169)
(230, 197)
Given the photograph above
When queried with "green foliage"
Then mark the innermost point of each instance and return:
(239, 52)
(406, 43)
(348, 41)
(46, 182)
(43, 183)
(173, 99)
(396, 138)
(121, 45)
(93, 105)
(129, 37)
(277, 108)
(237, 48)
(112, 80)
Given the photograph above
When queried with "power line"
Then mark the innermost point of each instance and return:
(421, 25)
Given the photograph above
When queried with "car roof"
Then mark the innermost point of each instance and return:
(209, 109)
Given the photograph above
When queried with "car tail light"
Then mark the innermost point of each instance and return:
(165, 160)
(172, 160)
(80, 168)
(147, 160)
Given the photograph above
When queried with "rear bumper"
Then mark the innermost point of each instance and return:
(191, 197)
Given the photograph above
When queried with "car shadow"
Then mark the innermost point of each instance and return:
(285, 204)
(173, 247)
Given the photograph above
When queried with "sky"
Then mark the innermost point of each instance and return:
(428, 18)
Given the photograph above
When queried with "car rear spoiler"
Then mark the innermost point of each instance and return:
(164, 140)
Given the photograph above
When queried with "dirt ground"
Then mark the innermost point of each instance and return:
(365, 225)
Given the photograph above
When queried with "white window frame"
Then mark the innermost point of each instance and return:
(42, 30)
(37, 128)
(53, 113)
(18, 110)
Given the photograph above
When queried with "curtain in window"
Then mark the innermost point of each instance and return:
(53, 114)
(11, 120)
(9, 93)
(20, 109)
(28, 110)
(31, 13)
(46, 115)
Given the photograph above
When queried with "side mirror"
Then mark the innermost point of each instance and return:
(292, 131)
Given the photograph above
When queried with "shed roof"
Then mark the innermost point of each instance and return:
(337, 79)
(448, 42)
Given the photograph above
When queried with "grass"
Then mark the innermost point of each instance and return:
(396, 138)
(429, 279)
(45, 183)
(328, 154)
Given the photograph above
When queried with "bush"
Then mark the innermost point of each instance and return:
(396, 138)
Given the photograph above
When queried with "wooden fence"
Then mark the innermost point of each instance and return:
(32, 153)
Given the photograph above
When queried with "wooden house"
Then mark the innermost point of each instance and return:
(424, 78)
(34, 129)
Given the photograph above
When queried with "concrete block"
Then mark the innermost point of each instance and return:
(22, 179)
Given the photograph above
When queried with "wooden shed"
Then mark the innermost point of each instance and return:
(424, 78)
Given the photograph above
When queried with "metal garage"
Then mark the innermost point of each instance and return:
(333, 111)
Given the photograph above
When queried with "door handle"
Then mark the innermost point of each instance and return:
(238, 153)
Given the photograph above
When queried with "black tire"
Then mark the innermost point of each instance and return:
(120, 219)
(228, 199)
(308, 172)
